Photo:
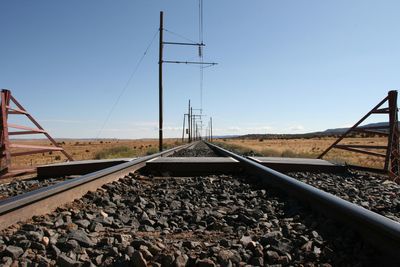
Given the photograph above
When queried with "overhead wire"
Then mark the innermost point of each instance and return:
(201, 56)
(126, 85)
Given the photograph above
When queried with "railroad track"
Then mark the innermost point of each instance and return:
(258, 216)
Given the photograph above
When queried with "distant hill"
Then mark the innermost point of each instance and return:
(328, 132)
(227, 136)
(342, 130)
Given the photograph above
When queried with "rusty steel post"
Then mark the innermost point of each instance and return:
(392, 153)
(5, 141)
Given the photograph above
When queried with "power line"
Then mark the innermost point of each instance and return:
(201, 56)
(126, 85)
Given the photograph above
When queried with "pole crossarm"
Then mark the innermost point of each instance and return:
(189, 62)
(178, 43)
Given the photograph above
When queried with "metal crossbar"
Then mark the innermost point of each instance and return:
(6, 144)
(392, 166)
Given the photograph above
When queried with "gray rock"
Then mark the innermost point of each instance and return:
(35, 236)
(136, 243)
(205, 263)
(138, 260)
(224, 258)
(167, 259)
(7, 261)
(43, 261)
(257, 261)
(13, 251)
(38, 246)
(73, 245)
(129, 251)
(56, 250)
(272, 256)
(145, 252)
(81, 237)
(83, 223)
(245, 240)
(181, 261)
(64, 261)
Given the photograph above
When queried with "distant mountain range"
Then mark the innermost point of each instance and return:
(328, 132)
(342, 130)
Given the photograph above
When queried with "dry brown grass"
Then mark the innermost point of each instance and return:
(311, 148)
(302, 147)
(84, 150)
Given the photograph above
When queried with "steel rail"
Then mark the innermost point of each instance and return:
(381, 232)
(45, 199)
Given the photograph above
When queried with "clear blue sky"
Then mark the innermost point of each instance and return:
(284, 66)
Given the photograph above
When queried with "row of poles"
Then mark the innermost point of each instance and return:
(194, 130)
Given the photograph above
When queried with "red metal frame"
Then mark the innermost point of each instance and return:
(5, 143)
(392, 166)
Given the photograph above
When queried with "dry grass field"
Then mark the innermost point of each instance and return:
(300, 147)
(85, 149)
(309, 148)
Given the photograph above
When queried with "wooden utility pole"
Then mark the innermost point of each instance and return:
(183, 128)
(191, 124)
(211, 126)
(189, 128)
(160, 64)
(160, 87)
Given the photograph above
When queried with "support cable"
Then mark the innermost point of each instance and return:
(179, 35)
(126, 85)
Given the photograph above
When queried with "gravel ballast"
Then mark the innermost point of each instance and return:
(18, 187)
(198, 150)
(369, 190)
(192, 221)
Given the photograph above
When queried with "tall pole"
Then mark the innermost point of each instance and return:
(211, 134)
(189, 118)
(183, 128)
(191, 124)
(392, 152)
(160, 89)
